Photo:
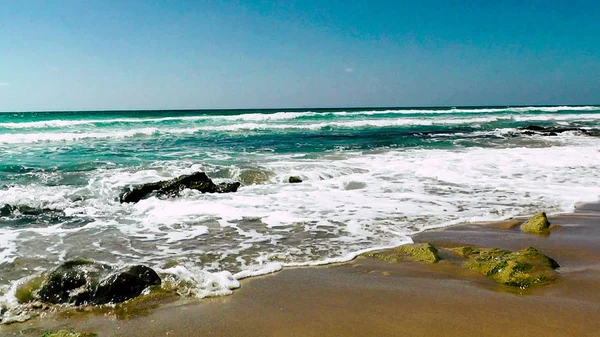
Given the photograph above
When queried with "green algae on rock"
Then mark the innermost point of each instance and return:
(523, 269)
(72, 282)
(255, 176)
(170, 264)
(141, 305)
(538, 224)
(26, 292)
(83, 282)
(422, 252)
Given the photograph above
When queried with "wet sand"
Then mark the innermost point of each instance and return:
(367, 297)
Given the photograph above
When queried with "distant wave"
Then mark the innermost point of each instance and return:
(283, 115)
(71, 136)
(256, 126)
(67, 123)
(474, 110)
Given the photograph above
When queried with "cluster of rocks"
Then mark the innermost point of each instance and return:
(523, 269)
(198, 181)
(85, 282)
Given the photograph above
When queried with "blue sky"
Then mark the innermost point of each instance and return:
(87, 55)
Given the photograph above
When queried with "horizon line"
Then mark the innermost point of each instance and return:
(319, 108)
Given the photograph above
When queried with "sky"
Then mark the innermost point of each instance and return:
(105, 55)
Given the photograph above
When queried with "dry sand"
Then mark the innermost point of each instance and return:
(367, 297)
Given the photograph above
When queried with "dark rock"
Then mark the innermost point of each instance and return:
(27, 210)
(72, 282)
(125, 285)
(196, 181)
(82, 282)
(295, 180)
(534, 128)
(6, 210)
(227, 187)
(531, 130)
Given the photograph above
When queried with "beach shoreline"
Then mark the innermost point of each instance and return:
(371, 297)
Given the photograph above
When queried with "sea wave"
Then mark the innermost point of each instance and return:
(283, 115)
(119, 133)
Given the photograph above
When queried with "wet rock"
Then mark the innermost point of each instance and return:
(549, 131)
(72, 282)
(196, 181)
(255, 176)
(25, 292)
(422, 252)
(82, 282)
(125, 285)
(140, 305)
(6, 210)
(538, 224)
(294, 180)
(525, 268)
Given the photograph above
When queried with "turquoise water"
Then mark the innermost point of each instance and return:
(371, 178)
(79, 141)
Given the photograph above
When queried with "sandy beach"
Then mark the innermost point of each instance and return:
(368, 297)
(299, 168)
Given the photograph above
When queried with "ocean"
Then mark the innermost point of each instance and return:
(371, 178)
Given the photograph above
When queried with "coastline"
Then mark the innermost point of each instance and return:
(371, 297)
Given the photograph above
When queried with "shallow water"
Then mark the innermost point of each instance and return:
(372, 177)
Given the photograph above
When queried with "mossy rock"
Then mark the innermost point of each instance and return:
(66, 333)
(538, 224)
(170, 264)
(523, 269)
(141, 305)
(73, 282)
(421, 252)
(255, 176)
(26, 292)
(294, 180)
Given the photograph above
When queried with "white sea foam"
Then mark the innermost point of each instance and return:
(404, 192)
(205, 284)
